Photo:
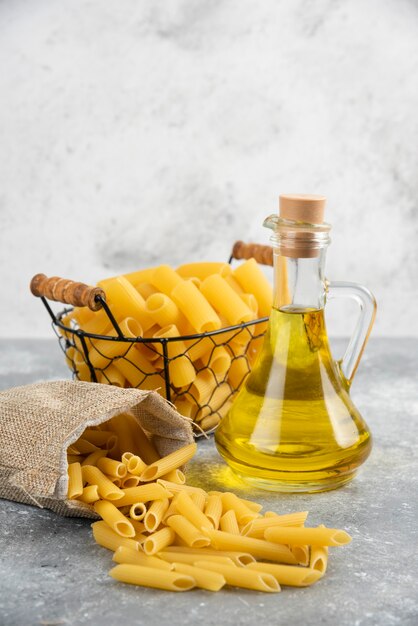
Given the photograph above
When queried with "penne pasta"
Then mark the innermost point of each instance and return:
(252, 280)
(225, 300)
(240, 559)
(176, 488)
(143, 493)
(168, 463)
(242, 577)
(257, 547)
(319, 558)
(138, 510)
(134, 557)
(228, 523)
(75, 481)
(150, 577)
(158, 541)
(164, 311)
(256, 527)
(195, 307)
(125, 301)
(90, 494)
(114, 518)
(136, 465)
(205, 579)
(301, 554)
(287, 574)
(320, 536)
(171, 556)
(111, 376)
(107, 537)
(92, 458)
(187, 531)
(191, 511)
(111, 467)
(129, 481)
(165, 279)
(155, 514)
(243, 512)
(93, 476)
(199, 499)
(175, 476)
(203, 270)
(99, 437)
(213, 510)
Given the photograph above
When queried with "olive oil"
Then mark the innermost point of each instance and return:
(293, 426)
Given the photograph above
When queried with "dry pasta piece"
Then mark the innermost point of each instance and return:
(135, 465)
(170, 462)
(254, 506)
(257, 547)
(240, 559)
(213, 510)
(195, 307)
(90, 494)
(92, 458)
(191, 511)
(164, 311)
(165, 279)
(256, 527)
(99, 324)
(171, 556)
(111, 376)
(129, 481)
(144, 445)
(205, 579)
(319, 558)
(138, 510)
(99, 438)
(176, 488)
(199, 500)
(203, 270)
(225, 300)
(93, 476)
(228, 523)
(242, 577)
(243, 512)
(82, 446)
(139, 276)
(125, 301)
(75, 481)
(126, 555)
(145, 289)
(312, 536)
(155, 514)
(175, 476)
(238, 372)
(158, 541)
(112, 468)
(182, 372)
(287, 574)
(301, 554)
(150, 577)
(104, 350)
(187, 531)
(107, 537)
(114, 518)
(252, 280)
(143, 493)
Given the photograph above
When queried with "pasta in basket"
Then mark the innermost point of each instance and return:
(164, 305)
(173, 536)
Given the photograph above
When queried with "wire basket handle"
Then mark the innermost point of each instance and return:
(262, 254)
(67, 291)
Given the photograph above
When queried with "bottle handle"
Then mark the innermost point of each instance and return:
(367, 303)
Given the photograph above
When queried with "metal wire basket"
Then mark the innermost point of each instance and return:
(222, 358)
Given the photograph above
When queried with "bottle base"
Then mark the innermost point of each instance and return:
(282, 486)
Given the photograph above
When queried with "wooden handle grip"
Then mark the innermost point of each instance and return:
(66, 291)
(262, 254)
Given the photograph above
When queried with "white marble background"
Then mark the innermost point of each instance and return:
(138, 132)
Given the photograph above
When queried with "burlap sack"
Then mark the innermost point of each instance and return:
(38, 422)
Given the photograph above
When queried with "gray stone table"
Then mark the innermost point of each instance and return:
(52, 572)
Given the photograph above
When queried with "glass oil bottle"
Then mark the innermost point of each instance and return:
(293, 427)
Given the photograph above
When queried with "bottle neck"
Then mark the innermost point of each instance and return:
(299, 283)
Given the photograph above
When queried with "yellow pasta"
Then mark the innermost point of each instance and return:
(90, 494)
(75, 481)
(92, 458)
(218, 360)
(195, 307)
(210, 422)
(252, 280)
(158, 541)
(126, 555)
(138, 510)
(187, 531)
(320, 536)
(136, 465)
(199, 499)
(125, 301)
(145, 290)
(319, 559)
(139, 276)
(242, 577)
(143, 493)
(240, 559)
(144, 445)
(243, 512)
(155, 514)
(137, 369)
(238, 372)
(111, 467)
(205, 579)
(176, 488)
(203, 270)
(164, 311)
(129, 481)
(257, 547)
(251, 302)
(228, 523)
(256, 527)
(99, 438)
(82, 446)
(107, 538)
(175, 476)
(225, 300)
(203, 387)
(213, 510)
(191, 511)
(165, 279)
(93, 476)
(111, 376)
(168, 463)
(171, 556)
(287, 574)
(301, 554)
(182, 372)
(150, 577)
(98, 324)
(114, 518)
(104, 350)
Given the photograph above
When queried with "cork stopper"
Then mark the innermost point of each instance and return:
(302, 208)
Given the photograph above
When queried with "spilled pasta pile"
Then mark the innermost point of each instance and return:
(169, 535)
